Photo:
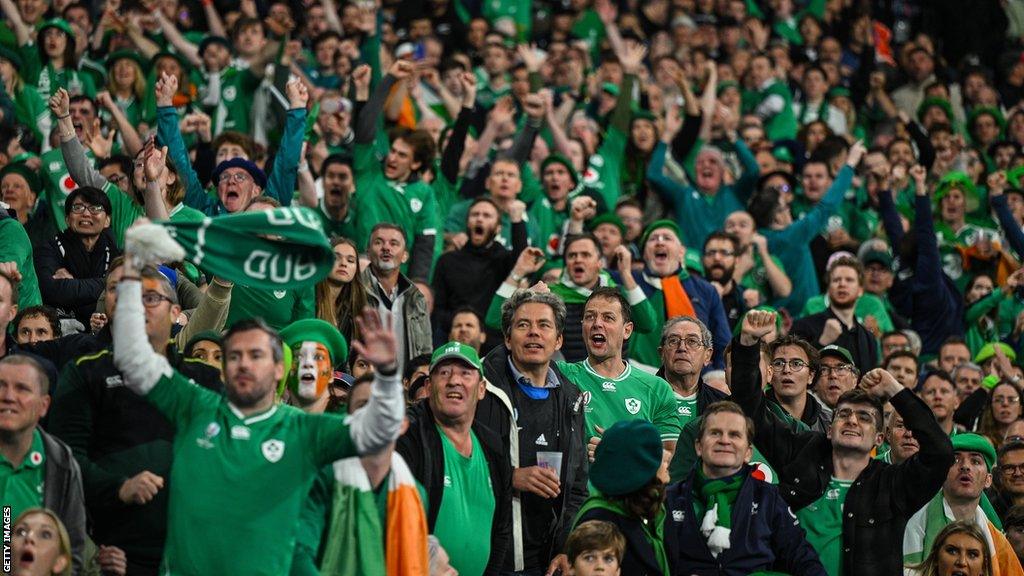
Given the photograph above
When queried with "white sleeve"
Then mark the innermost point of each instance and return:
(140, 366)
(771, 106)
(377, 424)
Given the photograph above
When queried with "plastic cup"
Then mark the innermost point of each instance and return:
(551, 461)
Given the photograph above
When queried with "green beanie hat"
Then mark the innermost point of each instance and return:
(725, 85)
(627, 458)
(316, 330)
(31, 176)
(559, 159)
(643, 114)
(969, 442)
(992, 111)
(607, 218)
(989, 350)
(204, 336)
(657, 224)
(11, 56)
(126, 55)
(459, 351)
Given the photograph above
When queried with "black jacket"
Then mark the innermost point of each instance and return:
(496, 412)
(639, 559)
(861, 343)
(116, 434)
(765, 534)
(882, 498)
(470, 276)
(420, 446)
(78, 295)
(62, 493)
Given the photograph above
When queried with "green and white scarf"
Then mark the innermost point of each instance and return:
(717, 497)
(279, 249)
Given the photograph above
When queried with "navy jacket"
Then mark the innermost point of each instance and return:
(765, 534)
(921, 291)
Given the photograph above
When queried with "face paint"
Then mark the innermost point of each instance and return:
(311, 370)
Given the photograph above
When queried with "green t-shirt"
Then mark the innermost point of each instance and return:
(278, 308)
(21, 488)
(633, 395)
(15, 246)
(950, 242)
(467, 509)
(823, 523)
(238, 483)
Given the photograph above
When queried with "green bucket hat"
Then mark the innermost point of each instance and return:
(660, 224)
(126, 55)
(185, 65)
(316, 330)
(942, 103)
(607, 218)
(556, 158)
(961, 181)
(642, 114)
(31, 176)
(459, 351)
(970, 442)
(60, 24)
(989, 350)
(627, 458)
(11, 56)
(992, 111)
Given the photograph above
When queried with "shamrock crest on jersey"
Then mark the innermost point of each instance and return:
(632, 405)
(272, 450)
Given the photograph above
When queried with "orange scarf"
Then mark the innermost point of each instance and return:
(677, 302)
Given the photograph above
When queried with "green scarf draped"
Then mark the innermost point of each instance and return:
(279, 249)
(653, 531)
(717, 497)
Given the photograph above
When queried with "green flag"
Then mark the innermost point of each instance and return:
(283, 248)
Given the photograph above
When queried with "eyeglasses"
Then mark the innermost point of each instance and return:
(795, 365)
(689, 343)
(712, 252)
(1012, 469)
(783, 188)
(661, 238)
(237, 177)
(81, 208)
(1011, 400)
(153, 299)
(841, 370)
(862, 416)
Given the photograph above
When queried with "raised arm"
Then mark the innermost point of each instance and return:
(778, 280)
(129, 135)
(686, 136)
(522, 145)
(1011, 229)
(377, 424)
(213, 19)
(286, 163)
(187, 49)
(928, 270)
(22, 33)
(805, 229)
(366, 124)
(456, 144)
(134, 357)
(79, 167)
(169, 133)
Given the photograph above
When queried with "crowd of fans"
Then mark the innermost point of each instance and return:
(658, 287)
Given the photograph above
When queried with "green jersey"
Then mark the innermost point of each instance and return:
(686, 406)
(278, 308)
(632, 395)
(238, 482)
(411, 205)
(757, 277)
(467, 509)
(21, 487)
(823, 523)
(344, 228)
(951, 242)
(867, 305)
(16, 247)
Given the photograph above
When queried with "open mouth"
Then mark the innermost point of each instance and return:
(27, 557)
(850, 433)
(454, 395)
(660, 257)
(4, 411)
(534, 346)
(307, 378)
(598, 339)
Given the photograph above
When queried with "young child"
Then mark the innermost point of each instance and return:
(595, 547)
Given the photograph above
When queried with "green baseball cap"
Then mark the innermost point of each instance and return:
(458, 351)
(316, 330)
(989, 350)
(60, 24)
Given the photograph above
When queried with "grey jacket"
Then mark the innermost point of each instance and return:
(416, 336)
(62, 493)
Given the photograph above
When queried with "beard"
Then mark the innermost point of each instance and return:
(251, 397)
(719, 273)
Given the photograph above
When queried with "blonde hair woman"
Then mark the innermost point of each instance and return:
(40, 545)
